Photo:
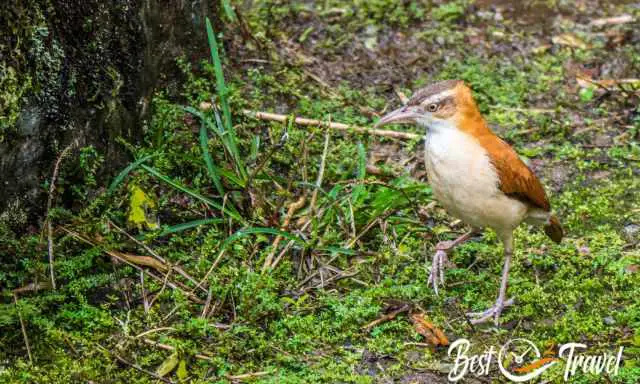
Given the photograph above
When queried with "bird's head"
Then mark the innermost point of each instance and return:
(442, 105)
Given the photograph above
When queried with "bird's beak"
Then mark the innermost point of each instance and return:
(405, 114)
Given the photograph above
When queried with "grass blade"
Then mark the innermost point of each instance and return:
(341, 250)
(255, 148)
(192, 193)
(362, 161)
(188, 225)
(228, 10)
(358, 190)
(121, 176)
(224, 136)
(217, 67)
(221, 87)
(230, 137)
(211, 168)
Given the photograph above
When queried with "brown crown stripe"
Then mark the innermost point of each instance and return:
(431, 90)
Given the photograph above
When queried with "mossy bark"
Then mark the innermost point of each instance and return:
(85, 70)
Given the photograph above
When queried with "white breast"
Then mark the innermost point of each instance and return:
(465, 182)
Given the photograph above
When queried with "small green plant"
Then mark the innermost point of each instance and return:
(449, 11)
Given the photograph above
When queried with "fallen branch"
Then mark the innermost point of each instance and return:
(337, 126)
(612, 20)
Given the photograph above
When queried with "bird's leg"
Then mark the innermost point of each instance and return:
(502, 302)
(441, 260)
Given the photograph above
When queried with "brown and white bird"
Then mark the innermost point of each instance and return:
(475, 175)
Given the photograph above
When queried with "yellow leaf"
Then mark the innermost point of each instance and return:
(181, 372)
(142, 209)
(168, 365)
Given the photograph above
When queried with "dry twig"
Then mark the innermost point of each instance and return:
(24, 329)
(33, 287)
(156, 256)
(52, 189)
(247, 376)
(134, 260)
(136, 366)
(293, 207)
(167, 347)
(337, 126)
(389, 316)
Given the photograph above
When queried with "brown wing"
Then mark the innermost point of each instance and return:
(516, 179)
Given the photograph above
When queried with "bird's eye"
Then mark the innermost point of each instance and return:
(432, 107)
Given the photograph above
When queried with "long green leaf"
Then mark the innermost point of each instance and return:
(188, 225)
(192, 193)
(224, 102)
(359, 190)
(362, 161)
(338, 250)
(211, 168)
(225, 137)
(232, 177)
(127, 170)
(228, 10)
(217, 67)
(255, 147)
(233, 148)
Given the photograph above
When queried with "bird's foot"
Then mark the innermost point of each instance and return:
(493, 312)
(439, 263)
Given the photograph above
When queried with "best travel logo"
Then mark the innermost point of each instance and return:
(519, 360)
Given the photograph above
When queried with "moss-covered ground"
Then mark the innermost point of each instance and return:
(365, 236)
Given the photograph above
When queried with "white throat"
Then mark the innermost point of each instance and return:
(437, 126)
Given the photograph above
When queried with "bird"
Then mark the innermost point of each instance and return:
(476, 176)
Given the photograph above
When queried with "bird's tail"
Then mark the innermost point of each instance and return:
(553, 229)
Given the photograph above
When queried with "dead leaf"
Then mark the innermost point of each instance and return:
(139, 260)
(430, 332)
(570, 40)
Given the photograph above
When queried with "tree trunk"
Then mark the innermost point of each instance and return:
(84, 70)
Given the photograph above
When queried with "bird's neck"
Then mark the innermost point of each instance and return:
(470, 121)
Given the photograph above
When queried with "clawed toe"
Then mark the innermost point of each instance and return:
(438, 265)
(441, 261)
(493, 312)
(444, 245)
